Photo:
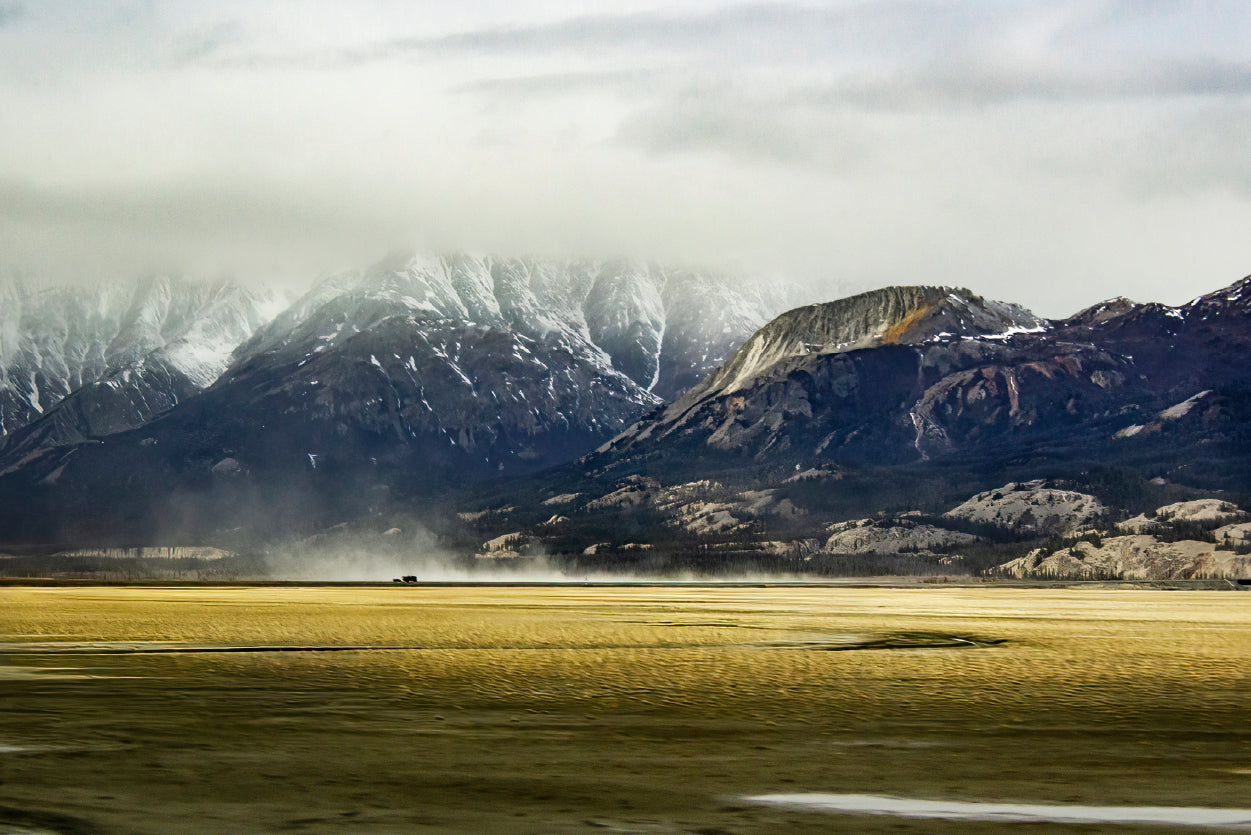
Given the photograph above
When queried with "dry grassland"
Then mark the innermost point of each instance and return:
(598, 709)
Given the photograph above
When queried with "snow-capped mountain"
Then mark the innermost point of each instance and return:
(511, 363)
(423, 372)
(663, 329)
(81, 361)
(390, 386)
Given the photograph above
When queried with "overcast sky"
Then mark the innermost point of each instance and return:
(1048, 152)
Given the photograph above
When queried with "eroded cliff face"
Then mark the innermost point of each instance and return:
(1139, 557)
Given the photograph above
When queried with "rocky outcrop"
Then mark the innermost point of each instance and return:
(1031, 507)
(1191, 408)
(1197, 511)
(710, 517)
(1184, 540)
(1135, 557)
(892, 536)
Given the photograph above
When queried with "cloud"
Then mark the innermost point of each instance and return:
(255, 231)
(1041, 150)
(760, 33)
(10, 13)
(971, 83)
(752, 125)
(1202, 150)
(203, 41)
(629, 81)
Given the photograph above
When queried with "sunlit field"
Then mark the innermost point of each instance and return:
(571, 709)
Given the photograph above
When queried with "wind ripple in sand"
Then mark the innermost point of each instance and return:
(869, 804)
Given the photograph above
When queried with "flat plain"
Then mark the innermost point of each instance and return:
(610, 708)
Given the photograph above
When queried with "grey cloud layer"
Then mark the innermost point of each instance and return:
(11, 12)
(1042, 150)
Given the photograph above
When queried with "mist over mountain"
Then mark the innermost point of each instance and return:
(92, 360)
(410, 376)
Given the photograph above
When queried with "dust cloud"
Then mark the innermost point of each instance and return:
(382, 557)
(369, 557)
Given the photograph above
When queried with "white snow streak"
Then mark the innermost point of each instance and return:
(868, 804)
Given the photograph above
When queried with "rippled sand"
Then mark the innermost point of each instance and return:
(581, 708)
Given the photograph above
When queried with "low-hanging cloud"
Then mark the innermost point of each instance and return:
(1045, 152)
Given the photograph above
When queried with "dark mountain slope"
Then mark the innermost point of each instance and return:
(922, 381)
(405, 379)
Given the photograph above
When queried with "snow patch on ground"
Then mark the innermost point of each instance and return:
(1183, 408)
(869, 804)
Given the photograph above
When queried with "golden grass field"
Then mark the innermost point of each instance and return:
(582, 709)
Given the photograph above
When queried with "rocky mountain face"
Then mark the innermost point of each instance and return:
(826, 438)
(1037, 529)
(1203, 538)
(410, 376)
(890, 316)
(847, 360)
(913, 374)
(869, 436)
(77, 362)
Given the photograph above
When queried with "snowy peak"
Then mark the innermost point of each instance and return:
(626, 318)
(1102, 312)
(663, 329)
(54, 341)
(1234, 299)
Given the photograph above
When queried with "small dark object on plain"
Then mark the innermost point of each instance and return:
(409, 578)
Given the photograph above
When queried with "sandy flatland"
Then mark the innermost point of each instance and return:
(585, 709)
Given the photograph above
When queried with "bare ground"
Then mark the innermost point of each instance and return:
(587, 709)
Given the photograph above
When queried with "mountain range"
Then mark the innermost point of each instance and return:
(573, 405)
(915, 374)
(413, 375)
(112, 357)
